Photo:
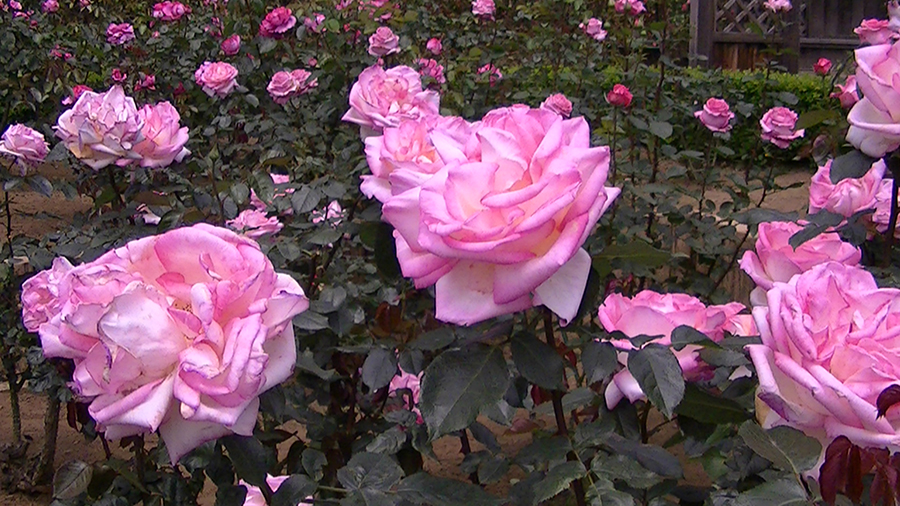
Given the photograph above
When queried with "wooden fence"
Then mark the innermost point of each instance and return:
(733, 33)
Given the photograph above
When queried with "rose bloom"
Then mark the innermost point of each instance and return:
(778, 5)
(277, 179)
(483, 8)
(232, 45)
(77, 90)
(381, 98)
(408, 386)
(163, 136)
(102, 128)
(170, 11)
(822, 66)
(499, 227)
(26, 145)
(654, 314)
(118, 76)
(619, 96)
(893, 8)
(594, 28)
(146, 83)
(49, 6)
(118, 34)
(286, 85)
(434, 46)
(634, 7)
(774, 260)
(277, 22)
(882, 215)
(254, 223)
(829, 347)
(846, 93)
(179, 332)
(383, 42)
(559, 104)
(255, 496)
(778, 127)
(217, 78)
(875, 120)
(493, 73)
(431, 68)
(715, 115)
(875, 32)
(404, 157)
(849, 195)
(314, 23)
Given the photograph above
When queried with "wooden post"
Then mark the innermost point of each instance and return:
(703, 29)
(792, 39)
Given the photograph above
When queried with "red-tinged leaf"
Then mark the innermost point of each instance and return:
(887, 398)
(522, 426)
(883, 486)
(854, 488)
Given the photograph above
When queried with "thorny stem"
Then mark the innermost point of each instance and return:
(556, 395)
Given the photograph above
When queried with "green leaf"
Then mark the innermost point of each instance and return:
(637, 252)
(293, 491)
(433, 340)
(537, 361)
(625, 469)
(600, 360)
(707, 408)
(231, 495)
(72, 479)
(787, 448)
(266, 44)
(558, 479)
(854, 164)
(657, 372)
(313, 462)
(661, 129)
(251, 99)
(684, 335)
(603, 493)
(492, 469)
(458, 384)
(370, 471)
(543, 450)
(388, 442)
(249, 457)
(782, 492)
(40, 184)
(652, 457)
(422, 488)
(813, 118)
(307, 363)
(305, 199)
(378, 369)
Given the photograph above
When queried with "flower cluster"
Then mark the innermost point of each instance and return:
(286, 85)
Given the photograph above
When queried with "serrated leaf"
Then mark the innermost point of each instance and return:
(558, 479)
(422, 488)
(378, 369)
(388, 442)
(600, 360)
(782, 492)
(72, 479)
(652, 457)
(306, 362)
(661, 129)
(625, 469)
(812, 118)
(787, 448)
(40, 184)
(854, 164)
(313, 462)
(537, 361)
(638, 252)
(251, 99)
(458, 384)
(249, 457)
(305, 199)
(434, 339)
(704, 407)
(656, 370)
(684, 335)
(293, 491)
(231, 495)
(370, 471)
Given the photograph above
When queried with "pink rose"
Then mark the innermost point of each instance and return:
(408, 386)
(255, 496)
(849, 195)
(875, 32)
(118, 34)
(775, 260)
(499, 227)
(381, 98)
(404, 157)
(778, 5)
(822, 66)
(164, 138)
(102, 128)
(559, 104)
(634, 7)
(383, 42)
(483, 8)
(846, 93)
(253, 223)
(594, 29)
(434, 46)
(882, 215)
(277, 22)
(286, 85)
(778, 127)
(828, 349)
(314, 23)
(77, 90)
(48, 6)
(217, 78)
(179, 332)
(493, 73)
(715, 115)
(875, 120)
(619, 96)
(333, 213)
(170, 11)
(118, 76)
(145, 83)
(429, 67)
(277, 179)
(654, 314)
(232, 45)
(26, 145)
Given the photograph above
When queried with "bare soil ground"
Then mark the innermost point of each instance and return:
(36, 215)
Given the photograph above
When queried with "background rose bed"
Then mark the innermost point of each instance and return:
(234, 279)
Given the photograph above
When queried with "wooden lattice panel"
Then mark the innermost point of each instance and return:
(742, 16)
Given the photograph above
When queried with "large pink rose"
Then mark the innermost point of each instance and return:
(254, 223)
(383, 42)
(232, 45)
(715, 115)
(849, 195)
(775, 260)
(654, 314)
(286, 85)
(778, 126)
(255, 496)
(882, 215)
(499, 227)
(216, 79)
(404, 157)
(875, 120)
(277, 22)
(875, 31)
(381, 98)
(24, 144)
(164, 137)
(170, 11)
(102, 128)
(179, 332)
(119, 33)
(483, 8)
(829, 347)
(559, 104)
